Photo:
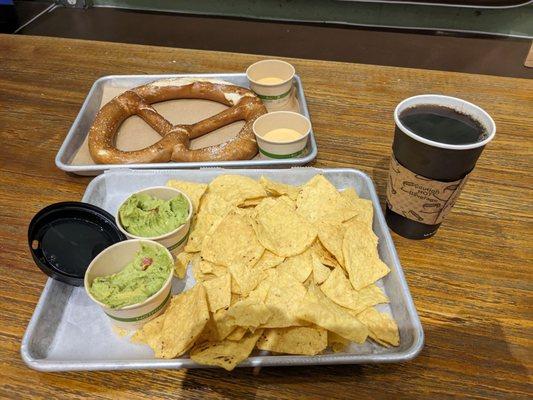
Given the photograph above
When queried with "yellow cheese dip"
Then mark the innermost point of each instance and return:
(282, 135)
(270, 80)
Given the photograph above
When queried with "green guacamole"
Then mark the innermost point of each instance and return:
(140, 279)
(147, 216)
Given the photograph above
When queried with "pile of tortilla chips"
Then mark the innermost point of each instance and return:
(279, 268)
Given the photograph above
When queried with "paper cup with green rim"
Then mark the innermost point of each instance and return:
(112, 260)
(281, 119)
(174, 240)
(277, 94)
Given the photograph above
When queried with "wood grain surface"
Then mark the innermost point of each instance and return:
(471, 283)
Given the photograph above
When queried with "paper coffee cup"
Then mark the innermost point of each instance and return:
(426, 176)
(174, 240)
(112, 260)
(281, 119)
(274, 94)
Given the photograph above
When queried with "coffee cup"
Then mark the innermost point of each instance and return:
(437, 142)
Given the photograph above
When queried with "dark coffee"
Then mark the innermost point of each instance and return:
(442, 124)
(426, 177)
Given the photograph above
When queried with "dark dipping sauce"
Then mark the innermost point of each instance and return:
(442, 124)
(71, 244)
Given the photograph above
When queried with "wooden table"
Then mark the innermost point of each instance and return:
(471, 283)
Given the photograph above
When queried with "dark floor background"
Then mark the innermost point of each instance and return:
(433, 50)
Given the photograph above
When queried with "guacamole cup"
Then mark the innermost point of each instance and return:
(114, 259)
(173, 240)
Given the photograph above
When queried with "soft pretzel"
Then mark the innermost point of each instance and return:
(174, 143)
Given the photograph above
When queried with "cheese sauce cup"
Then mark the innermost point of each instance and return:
(114, 259)
(281, 134)
(271, 80)
(174, 240)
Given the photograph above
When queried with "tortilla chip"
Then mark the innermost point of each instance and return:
(324, 256)
(337, 343)
(193, 190)
(212, 209)
(209, 333)
(299, 266)
(331, 237)
(207, 267)
(283, 300)
(361, 255)
(281, 230)
(232, 242)
(223, 324)
(365, 211)
(227, 353)
(338, 288)
(235, 189)
(217, 328)
(320, 310)
(295, 340)
(350, 194)
(274, 188)
(150, 333)
(249, 313)
(267, 202)
(260, 293)
(235, 290)
(251, 202)
(218, 292)
(198, 268)
(237, 334)
(268, 260)
(320, 201)
(234, 297)
(245, 278)
(382, 327)
(320, 271)
(372, 295)
(184, 321)
(181, 263)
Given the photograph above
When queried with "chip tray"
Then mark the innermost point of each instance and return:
(68, 332)
(80, 128)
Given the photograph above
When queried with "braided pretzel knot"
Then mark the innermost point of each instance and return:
(174, 143)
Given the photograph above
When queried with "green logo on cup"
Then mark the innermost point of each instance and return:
(144, 316)
(183, 239)
(264, 97)
(279, 156)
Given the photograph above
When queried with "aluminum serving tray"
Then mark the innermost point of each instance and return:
(91, 105)
(69, 332)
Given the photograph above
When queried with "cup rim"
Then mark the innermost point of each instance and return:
(135, 305)
(160, 237)
(270, 60)
(304, 136)
(433, 99)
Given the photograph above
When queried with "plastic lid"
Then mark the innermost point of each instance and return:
(65, 237)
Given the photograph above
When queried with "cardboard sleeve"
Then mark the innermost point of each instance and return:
(419, 198)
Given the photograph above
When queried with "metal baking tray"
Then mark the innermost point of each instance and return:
(91, 105)
(69, 332)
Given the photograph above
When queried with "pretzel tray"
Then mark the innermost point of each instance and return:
(65, 158)
(69, 332)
